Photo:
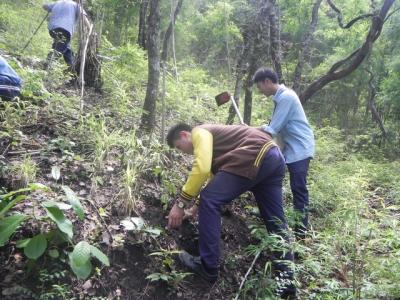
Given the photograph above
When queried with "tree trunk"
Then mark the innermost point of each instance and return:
(372, 106)
(168, 33)
(275, 43)
(248, 96)
(149, 107)
(92, 68)
(240, 72)
(305, 46)
(347, 65)
(118, 23)
(142, 35)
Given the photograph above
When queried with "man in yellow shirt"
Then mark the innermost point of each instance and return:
(241, 158)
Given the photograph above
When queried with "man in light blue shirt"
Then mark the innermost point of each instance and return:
(289, 124)
(64, 15)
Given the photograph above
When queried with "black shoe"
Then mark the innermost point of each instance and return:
(286, 289)
(194, 263)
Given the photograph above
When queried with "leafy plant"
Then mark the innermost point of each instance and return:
(23, 173)
(168, 274)
(9, 224)
(35, 247)
(79, 259)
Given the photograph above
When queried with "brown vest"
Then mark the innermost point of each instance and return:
(238, 149)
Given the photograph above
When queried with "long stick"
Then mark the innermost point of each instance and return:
(247, 274)
(237, 110)
(37, 29)
(163, 104)
(83, 59)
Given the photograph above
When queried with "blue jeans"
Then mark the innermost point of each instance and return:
(8, 90)
(61, 44)
(298, 183)
(225, 187)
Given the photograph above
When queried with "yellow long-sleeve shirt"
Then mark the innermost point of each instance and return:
(236, 149)
(201, 169)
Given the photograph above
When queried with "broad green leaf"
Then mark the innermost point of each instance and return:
(11, 204)
(153, 277)
(96, 252)
(64, 224)
(82, 271)
(56, 172)
(74, 201)
(36, 246)
(49, 203)
(60, 205)
(37, 186)
(54, 253)
(8, 225)
(22, 243)
(81, 253)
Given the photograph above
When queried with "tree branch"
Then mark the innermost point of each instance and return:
(354, 60)
(306, 43)
(340, 16)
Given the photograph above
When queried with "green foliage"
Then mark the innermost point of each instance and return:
(35, 246)
(8, 225)
(74, 201)
(20, 24)
(211, 31)
(352, 249)
(56, 214)
(81, 253)
(348, 213)
(79, 259)
(172, 277)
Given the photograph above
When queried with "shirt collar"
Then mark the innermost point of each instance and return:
(279, 91)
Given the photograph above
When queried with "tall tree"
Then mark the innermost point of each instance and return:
(272, 11)
(168, 33)
(142, 34)
(347, 65)
(306, 46)
(241, 69)
(153, 41)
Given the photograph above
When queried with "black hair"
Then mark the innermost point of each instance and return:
(263, 73)
(173, 133)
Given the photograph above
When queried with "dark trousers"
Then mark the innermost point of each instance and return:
(298, 183)
(8, 90)
(225, 187)
(61, 44)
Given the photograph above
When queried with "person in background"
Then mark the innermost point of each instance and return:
(10, 82)
(64, 14)
(289, 123)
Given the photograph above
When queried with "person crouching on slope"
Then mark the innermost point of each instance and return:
(241, 158)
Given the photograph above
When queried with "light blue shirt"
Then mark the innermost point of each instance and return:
(64, 14)
(290, 124)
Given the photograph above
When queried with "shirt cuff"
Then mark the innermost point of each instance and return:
(185, 196)
(268, 129)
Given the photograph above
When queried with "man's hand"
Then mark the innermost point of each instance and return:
(191, 213)
(175, 217)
